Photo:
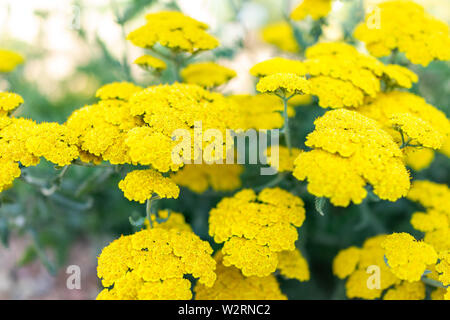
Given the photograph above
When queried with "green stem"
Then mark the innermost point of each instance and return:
(432, 282)
(287, 133)
(148, 211)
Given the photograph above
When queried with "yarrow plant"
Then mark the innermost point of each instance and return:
(358, 143)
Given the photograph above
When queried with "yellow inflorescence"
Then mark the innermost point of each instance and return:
(278, 65)
(315, 8)
(406, 291)
(351, 150)
(170, 220)
(140, 185)
(151, 265)
(175, 31)
(232, 285)
(149, 62)
(200, 177)
(207, 74)
(286, 158)
(293, 265)
(8, 102)
(288, 83)
(389, 27)
(117, 90)
(408, 258)
(255, 228)
(354, 263)
(9, 60)
(281, 35)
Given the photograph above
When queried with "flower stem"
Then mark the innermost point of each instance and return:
(287, 133)
(148, 211)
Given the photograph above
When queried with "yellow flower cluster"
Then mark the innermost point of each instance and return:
(354, 262)
(408, 258)
(315, 8)
(287, 83)
(232, 285)
(207, 74)
(148, 62)
(281, 35)
(278, 65)
(261, 111)
(140, 185)
(351, 150)
(406, 291)
(293, 265)
(151, 265)
(256, 228)
(286, 158)
(389, 27)
(170, 220)
(200, 177)
(173, 30)
(9, 60)
(8, 102)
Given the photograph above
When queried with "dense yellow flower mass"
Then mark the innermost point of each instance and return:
(391, 29)
(406, 291)
(261, 111)
(232, 285)
(286, 83)
(140, 185)
(168, 220)
(281, 35)
(408, 258)
(9, 60)
(200, 177)
(207, 74)
(293, 265)
(278, 65)
(255, 228)
(353, 263)
(315, 8)
(418, 158)
(351, 150)
(286, 158)
(8, 102)
(151, 265)
(149, 62)
(173, 30)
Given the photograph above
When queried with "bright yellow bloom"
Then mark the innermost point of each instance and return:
(175, 31)
(117, 90)
(443, 268)
(170, 220)
(256, 227)
(9, 60)
(431, 195)
(418, 158)
(346, 261)
(315, 8)
(278, 65)
(149, 62)
(140, 185)
(408, 258)
(151, 265)
(351, 150)
(281, 35)
(401, 76)
(293, 265)
(232, 285)
(285, 159)
(8, 102)
(207, 74)
(287, 83)
(9, 171)
(438, 294)
(200, 177)
(335, 93)
(389, 27)
(430, 221)
(406, 291)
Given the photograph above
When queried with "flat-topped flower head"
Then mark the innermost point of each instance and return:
(285, 84)
(286, 158)
(351, 150)
(278, 65)
(9, 171)
(406, 291)
(315, 8)
(408, 258)
(8, 102)
(142, 185)
(117, 90)
(399, 76)
(152, 264)
(423, 41)
(207, 74)
(9, 60)
(149, 62)
(255, 228)
(281, 35)
(175, 31)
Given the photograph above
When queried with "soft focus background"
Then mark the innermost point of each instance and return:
(74, 47)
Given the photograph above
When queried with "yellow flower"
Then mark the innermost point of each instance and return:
(293, 265)
(117, 90)
(400, 76)
(346, 261)
(232, 285)
(425, 40)
(285, 158)
(418, 158)
(175, 31)
(9, 60)
(406, 291)
(170, 220)
(351, 150)
(140, 185)
(287, 83)
(8, 102)
(281, 35)
(9, 171)
(151, 265)
(315, 8)
(278, 65)
(431, 195)
(149, 62)
(335, 93)
(408, 258)
(207, 74)
(443, 268)
(256, 227)
(199, 177)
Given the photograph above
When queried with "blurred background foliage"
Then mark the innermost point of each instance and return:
(74, 47)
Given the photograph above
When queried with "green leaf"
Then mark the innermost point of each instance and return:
(320, 203)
